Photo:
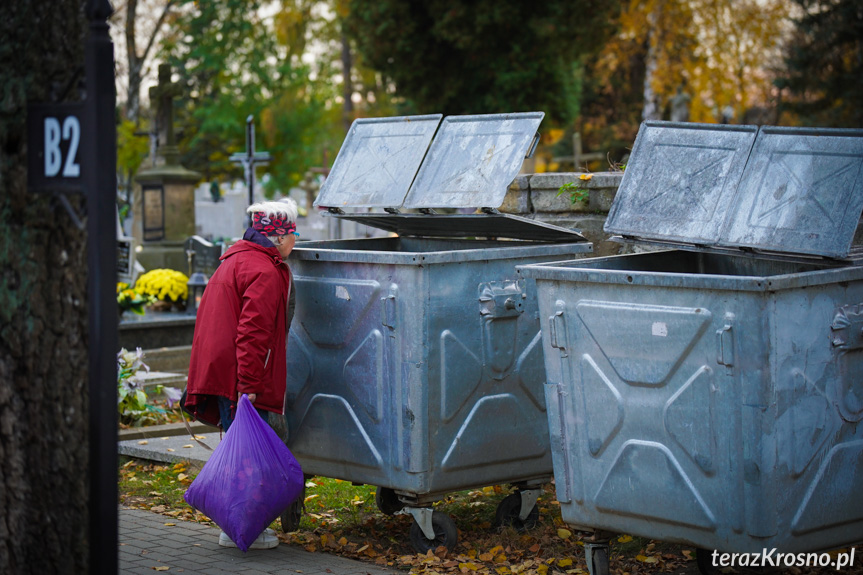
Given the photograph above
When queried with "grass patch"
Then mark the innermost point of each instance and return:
(343, 519)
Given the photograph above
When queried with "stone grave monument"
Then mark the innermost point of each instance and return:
(164, 200)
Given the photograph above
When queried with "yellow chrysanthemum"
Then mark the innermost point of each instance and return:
(164, 284)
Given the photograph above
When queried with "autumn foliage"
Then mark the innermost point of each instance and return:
(723, 54)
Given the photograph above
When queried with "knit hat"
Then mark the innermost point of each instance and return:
(277, 218)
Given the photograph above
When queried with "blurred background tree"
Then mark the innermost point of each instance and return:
(232, 64)
(722, 53)
(823, 81)
(307, 68)
(141, 23)
(484, 56)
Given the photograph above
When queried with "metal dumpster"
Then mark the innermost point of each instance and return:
(414, 361)
(713, 395)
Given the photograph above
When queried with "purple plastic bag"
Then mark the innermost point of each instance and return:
(249, 480)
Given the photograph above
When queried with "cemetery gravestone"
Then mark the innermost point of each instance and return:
(163, 201)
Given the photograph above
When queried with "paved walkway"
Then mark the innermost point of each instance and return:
(147, 546)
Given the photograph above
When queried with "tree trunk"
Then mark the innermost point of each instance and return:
(348, 85)
(135, 63)
(651, 109)
(135, 59)
(44, 478)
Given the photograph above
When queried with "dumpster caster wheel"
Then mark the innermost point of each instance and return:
(596, 556)
(445, 532)
(704, 563)
(387, 501)
(508, 511)
(292, 515)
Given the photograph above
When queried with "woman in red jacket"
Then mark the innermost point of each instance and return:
(241, 327)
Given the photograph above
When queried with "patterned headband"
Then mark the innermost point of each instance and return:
(272, 226)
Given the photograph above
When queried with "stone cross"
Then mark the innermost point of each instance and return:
(250, 159)
(164, 95)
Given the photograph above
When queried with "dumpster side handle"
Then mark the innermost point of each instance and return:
(725, 347)
(388, 310)
(557, 332)
(533, 146)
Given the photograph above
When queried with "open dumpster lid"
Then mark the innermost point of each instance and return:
(472, 160)
(801, 192)
(470, 164)
(679, 181)
(771, 190)
(494, 225)
(378, 161)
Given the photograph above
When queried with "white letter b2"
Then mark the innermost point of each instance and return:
(53, 157)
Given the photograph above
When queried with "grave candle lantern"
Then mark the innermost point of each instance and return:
(197, 283)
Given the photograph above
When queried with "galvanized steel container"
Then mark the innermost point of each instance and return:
(714, 395)
(415, 361)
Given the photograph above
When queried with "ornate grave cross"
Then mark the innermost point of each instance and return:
(250, 159)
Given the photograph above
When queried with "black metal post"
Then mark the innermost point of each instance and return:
(100, 182)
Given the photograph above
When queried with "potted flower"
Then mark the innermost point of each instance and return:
(168, 288)
(132, 401)
(130, 299)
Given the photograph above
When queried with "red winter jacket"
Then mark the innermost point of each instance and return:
(240, 331)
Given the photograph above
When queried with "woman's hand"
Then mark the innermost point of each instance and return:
(252, 397)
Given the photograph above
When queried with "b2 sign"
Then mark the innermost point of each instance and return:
(55, 135)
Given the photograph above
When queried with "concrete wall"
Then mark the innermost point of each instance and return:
(535, 196)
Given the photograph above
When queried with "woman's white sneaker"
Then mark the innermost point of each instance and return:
(266, 540)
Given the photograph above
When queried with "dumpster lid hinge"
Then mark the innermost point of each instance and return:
(746, 251)
(335, 211)
(392, 210)
(490, 210)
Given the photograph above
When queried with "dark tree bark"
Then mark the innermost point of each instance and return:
(44, 474)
